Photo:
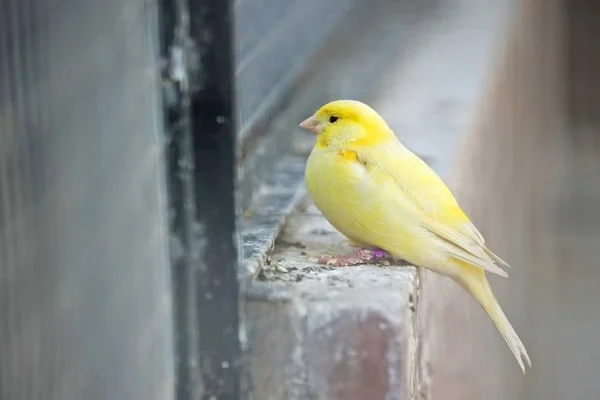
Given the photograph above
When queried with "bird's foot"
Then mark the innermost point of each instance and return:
(362, 256)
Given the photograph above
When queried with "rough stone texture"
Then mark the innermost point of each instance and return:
(263, 220)
(275, 329)
(329, 333)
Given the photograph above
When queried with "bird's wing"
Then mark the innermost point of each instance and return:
(438, 210)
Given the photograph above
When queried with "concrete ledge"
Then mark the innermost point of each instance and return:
(329, 333)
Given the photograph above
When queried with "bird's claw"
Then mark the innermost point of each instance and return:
(358, 257)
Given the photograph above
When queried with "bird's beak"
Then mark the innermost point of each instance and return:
(310, 124)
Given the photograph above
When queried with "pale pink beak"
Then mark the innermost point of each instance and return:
(310, 124)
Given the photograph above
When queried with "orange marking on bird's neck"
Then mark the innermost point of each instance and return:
(348, 155)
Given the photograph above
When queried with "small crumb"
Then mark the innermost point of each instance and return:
(386, 263)
(412, 308)
(299, 278)
(410, 297)
(281, 268)
(315, 269)
(265, 275)
(302, 253)
(321, 231)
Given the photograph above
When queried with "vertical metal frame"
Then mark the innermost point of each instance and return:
(214, 143)
(200, 98)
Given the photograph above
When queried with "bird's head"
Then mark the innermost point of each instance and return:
(344, 122)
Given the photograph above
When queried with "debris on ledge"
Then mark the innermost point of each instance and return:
(307, 236)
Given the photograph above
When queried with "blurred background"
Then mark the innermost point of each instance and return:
(150, 158)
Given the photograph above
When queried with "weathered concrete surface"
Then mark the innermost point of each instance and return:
(330, 333)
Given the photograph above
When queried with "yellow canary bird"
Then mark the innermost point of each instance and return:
(387, 200)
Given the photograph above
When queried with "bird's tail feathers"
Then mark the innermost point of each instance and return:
(496, 258)
(479, 288)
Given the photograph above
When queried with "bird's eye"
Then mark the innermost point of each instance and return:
(332, 119)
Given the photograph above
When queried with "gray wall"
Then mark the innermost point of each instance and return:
(85, 309)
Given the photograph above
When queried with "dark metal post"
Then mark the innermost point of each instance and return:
(213, 137)
(202, 166)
